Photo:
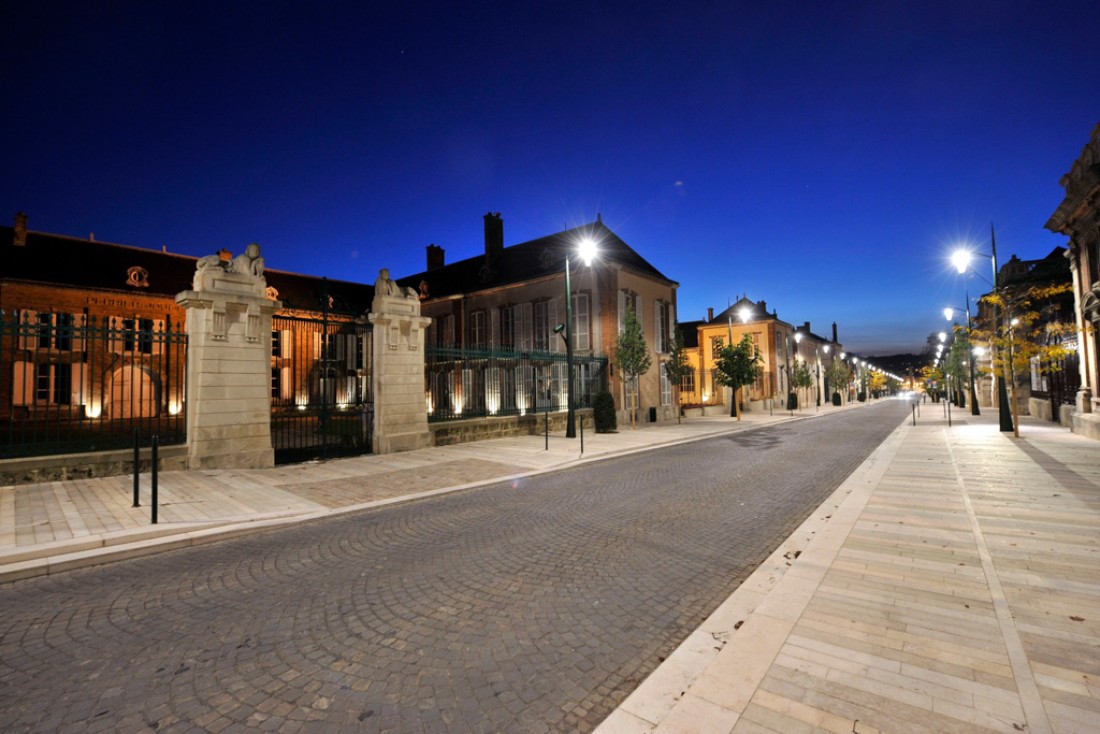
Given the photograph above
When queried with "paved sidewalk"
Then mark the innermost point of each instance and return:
(57, 526)
(951, 584)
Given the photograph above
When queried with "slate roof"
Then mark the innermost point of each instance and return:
(528, 261)
(90, 264)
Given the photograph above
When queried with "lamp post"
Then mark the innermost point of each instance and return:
(586, 249)
(961, 259)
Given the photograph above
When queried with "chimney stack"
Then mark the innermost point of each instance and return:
(807, 328)
(494, 235)
(835, 340)
(20, 230)
(710, 315)
(435, 257)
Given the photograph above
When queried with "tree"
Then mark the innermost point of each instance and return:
(801, 376)
(955, 364)
(736, 365)
(1023, 334)
(931, 377)
(632, 353)
(677, 367)
(877, 382)
(839, 375)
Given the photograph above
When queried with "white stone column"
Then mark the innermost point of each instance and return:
(229, 363)
(397, 382)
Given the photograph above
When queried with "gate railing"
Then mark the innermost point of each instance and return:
(72, 384)
(472, 383)
(321, 400)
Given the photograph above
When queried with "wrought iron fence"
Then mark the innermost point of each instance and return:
(72, 384)
(474, 383)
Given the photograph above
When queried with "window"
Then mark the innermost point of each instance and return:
(580, 329)
(666, 387)
(542, 326)
(445, 330)
(508, 327)
(49, 331)
(661, 327)
(478, 331)
(276, 382)
(137, 335)
(276, 343)
(687, 384)
(53, 384)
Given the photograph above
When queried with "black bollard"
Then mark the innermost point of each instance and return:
(914, 407)
(156, 441)
(137, 465)
(546, 429)
(581, 419)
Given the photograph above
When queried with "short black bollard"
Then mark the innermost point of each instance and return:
(580, 418)
(153, 501)
(137, 464)
(546, 429)
(914, 407)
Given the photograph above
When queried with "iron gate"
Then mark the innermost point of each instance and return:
(321, 400)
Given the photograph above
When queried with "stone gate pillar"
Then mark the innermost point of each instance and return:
(229, 363)
(400, 413)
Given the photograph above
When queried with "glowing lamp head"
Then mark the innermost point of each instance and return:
(947, 313)
(586, 248)
(797, 337)
(961, 260)
(943, 336)
(745, 314)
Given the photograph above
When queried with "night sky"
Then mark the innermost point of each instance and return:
(824, 157)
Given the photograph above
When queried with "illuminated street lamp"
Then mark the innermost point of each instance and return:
(586, 250)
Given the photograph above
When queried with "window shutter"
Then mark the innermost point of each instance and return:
(638, 312)
(286, 391)
(23, 383)
(552, 318)
(351, 352)
(657, 345)
(622, 309)
(494, 327)
(525, 328)
(286, 343)
(79, 384)
(671, 321)
(316, 346)
(80, 330)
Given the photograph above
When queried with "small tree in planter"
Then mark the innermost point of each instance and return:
(632, 354)
(737, 365)
(801, 376)
(677, 367)
(839, 375)
(603, 412)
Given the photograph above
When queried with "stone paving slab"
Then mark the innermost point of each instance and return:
(956, 588)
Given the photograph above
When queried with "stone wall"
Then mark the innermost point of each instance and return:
(479, 429)
(61, 467)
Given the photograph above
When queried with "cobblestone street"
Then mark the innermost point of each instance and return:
(535, 605)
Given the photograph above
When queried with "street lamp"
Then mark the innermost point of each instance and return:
(586, 250)
(961, 259)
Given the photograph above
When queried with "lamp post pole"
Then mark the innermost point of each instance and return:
(571, 416)
(1002, 393)
(974, 409)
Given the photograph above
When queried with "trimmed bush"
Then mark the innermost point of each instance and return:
(603, 412)
(836, 398)
(861, 396)
(792, 401)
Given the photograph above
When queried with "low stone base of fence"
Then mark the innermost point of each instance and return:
(82, 466)
(480, 429)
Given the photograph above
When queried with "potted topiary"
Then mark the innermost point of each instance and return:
(603, 412)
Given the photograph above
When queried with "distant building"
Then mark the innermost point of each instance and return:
(1078, 217)
(777, 342)
(512, 299)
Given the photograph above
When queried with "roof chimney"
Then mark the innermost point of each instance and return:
(710, 315)
(435, 257)
(20, 239)
(807, 327)
(835, 340)
(494, 235)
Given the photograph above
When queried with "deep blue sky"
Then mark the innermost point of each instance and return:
(821, 156)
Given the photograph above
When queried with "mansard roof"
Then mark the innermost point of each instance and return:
(527, 261)
(75, 262)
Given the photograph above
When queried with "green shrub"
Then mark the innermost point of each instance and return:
(836, 398)
(792, 401)
(603, 412)
(861, 396)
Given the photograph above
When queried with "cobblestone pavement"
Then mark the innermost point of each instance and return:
(531, 606)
